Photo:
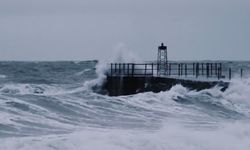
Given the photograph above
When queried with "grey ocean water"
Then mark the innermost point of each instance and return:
(48, 106)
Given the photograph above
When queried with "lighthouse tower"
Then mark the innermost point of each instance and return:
(162, 60)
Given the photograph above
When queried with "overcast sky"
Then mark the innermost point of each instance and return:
(92, 29)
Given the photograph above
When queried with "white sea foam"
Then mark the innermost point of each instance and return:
(236, 97)
(83, 72)
(38, 89)
(239, 94)
(228, 136)
(172, 133)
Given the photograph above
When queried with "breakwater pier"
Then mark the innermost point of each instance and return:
(132, 78)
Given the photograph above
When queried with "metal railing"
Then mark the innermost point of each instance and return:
(131, 69)
(194, 69)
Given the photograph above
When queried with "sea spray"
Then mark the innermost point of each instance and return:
(101, 70)
(120, 55)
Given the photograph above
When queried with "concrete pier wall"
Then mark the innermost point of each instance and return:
(126, 85)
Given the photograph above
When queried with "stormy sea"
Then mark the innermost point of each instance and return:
(51, 106)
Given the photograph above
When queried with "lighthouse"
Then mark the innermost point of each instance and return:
(162, 60)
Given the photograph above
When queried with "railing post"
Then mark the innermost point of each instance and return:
(207, 70)
(145, 73)
(220, 69)
(216, 69)
(230, 74)
(218, 73)
(152, 69)
(202, 69)
(124, 69)
(128, 69)
(120, 68)
(133, 69)
(158, 67)
(115, 68)
(185, 69)
(211, 69)
(169, 70)
(241, 73)
(111, 70)
(179, 70)
(193, 69)
(197, 70)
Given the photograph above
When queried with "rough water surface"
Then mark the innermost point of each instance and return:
(47, 106)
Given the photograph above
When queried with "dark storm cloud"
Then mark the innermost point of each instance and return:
(89, 29)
